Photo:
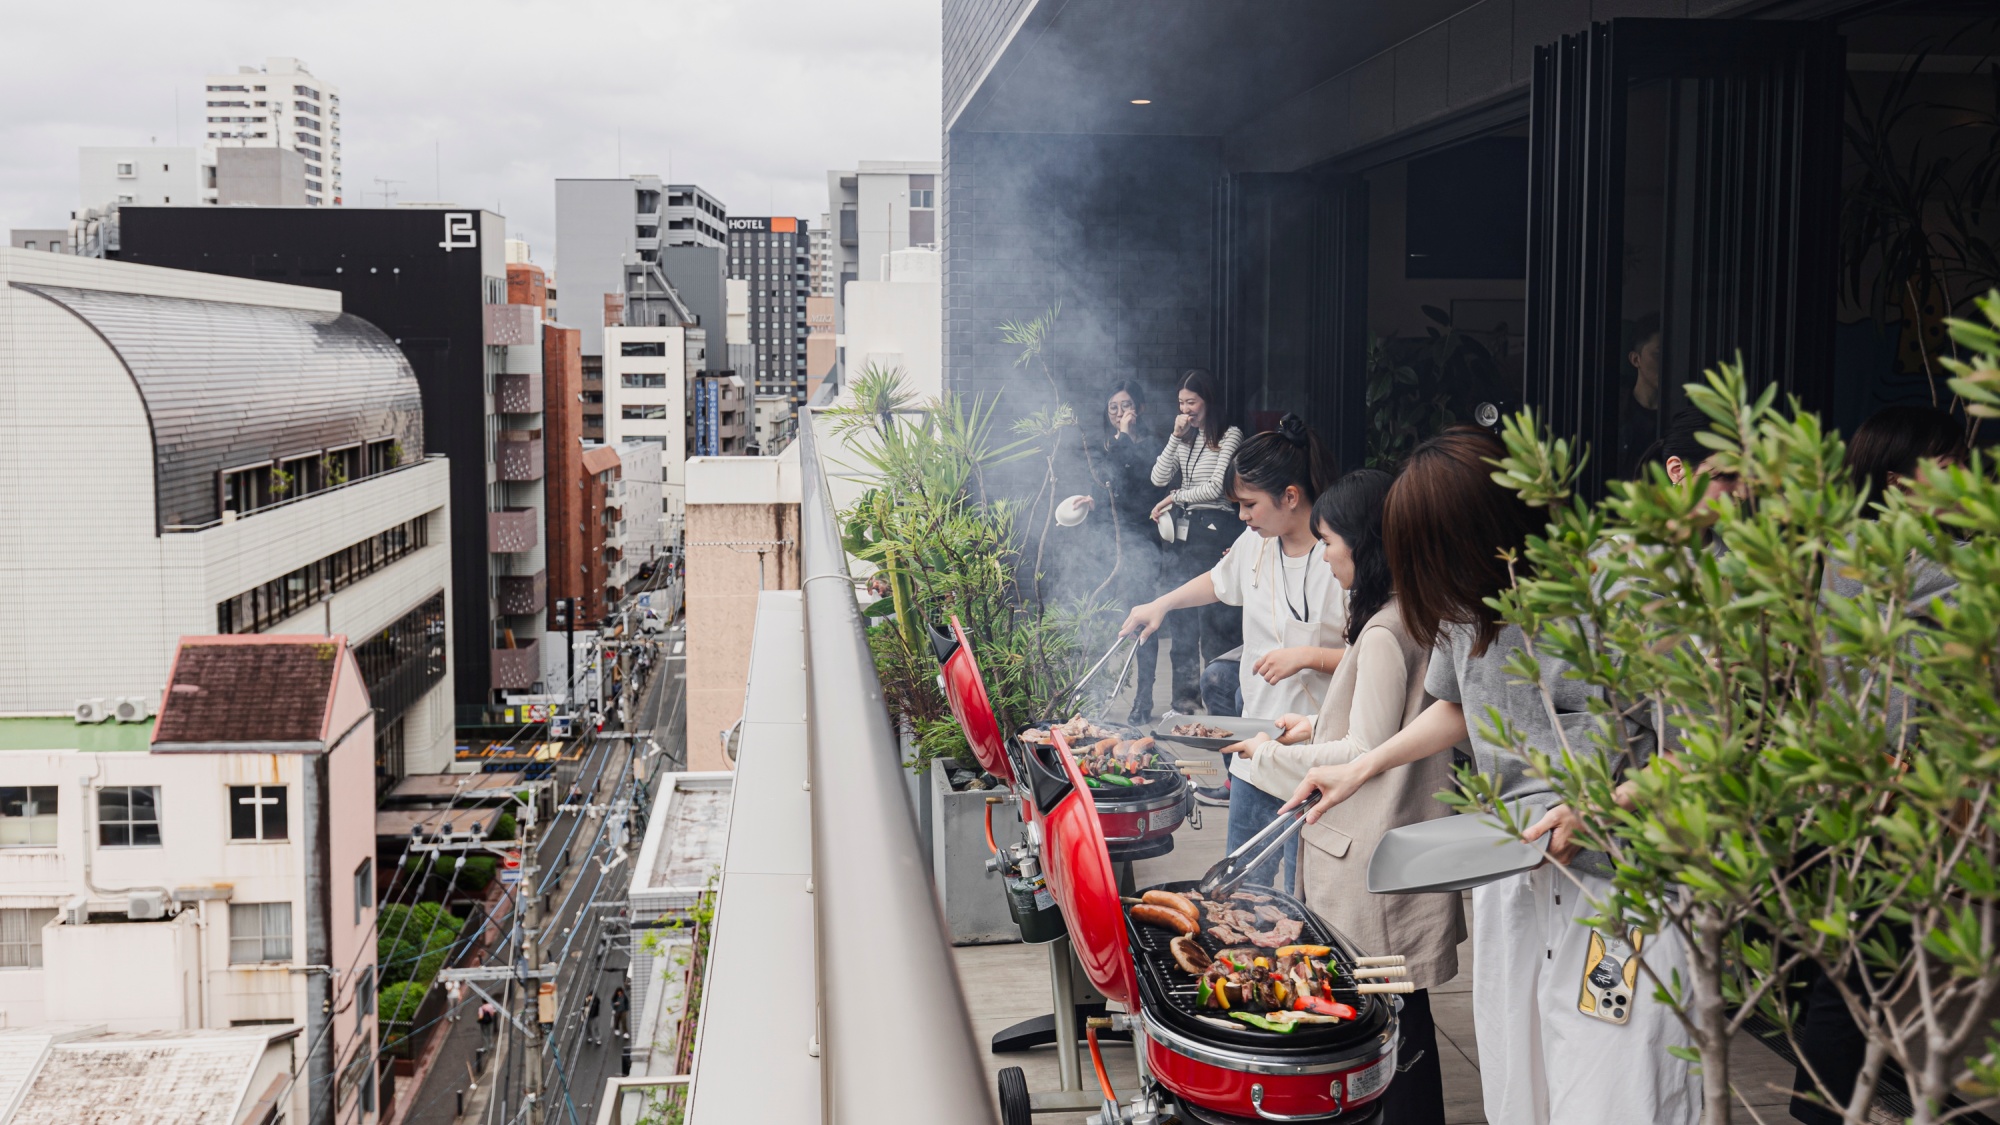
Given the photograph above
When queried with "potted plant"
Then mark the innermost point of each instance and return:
(940, 549)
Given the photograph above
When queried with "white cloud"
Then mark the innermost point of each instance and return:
(493, 101)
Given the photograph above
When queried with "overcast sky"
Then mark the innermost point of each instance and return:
(492, 101)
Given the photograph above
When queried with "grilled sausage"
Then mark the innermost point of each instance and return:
(1172, 901)
(1189, 954)
(1165, 917)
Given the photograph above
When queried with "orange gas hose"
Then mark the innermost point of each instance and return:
(1097, 1060)
(990, 845)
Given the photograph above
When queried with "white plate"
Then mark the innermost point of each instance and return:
(1450, 853)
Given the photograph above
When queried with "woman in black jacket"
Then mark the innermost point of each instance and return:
(1122, 462)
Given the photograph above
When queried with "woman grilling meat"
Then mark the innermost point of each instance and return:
(1290, 606)
(1446, 527)
(1378, 687)
(1122, 488)
(1195, 459)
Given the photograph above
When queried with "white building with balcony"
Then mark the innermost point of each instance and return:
(280, 105)
(193, 454)
(646, 531)
(646, 399)
(211, 869)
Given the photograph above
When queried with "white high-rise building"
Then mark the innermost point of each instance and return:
(280, 105)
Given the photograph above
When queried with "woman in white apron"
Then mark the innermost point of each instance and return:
(1291, 605)
(1543, 1059)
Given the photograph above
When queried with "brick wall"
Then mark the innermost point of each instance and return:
(1117, 228)
(562, 428)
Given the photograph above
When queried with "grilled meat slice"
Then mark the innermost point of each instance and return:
(1189, 954)
(1281, 933)
(1226, 935)
(1271, 914)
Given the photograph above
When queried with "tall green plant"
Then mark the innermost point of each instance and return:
(1828, 790)
(942, 549)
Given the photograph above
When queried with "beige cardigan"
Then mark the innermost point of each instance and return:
(1378, 688)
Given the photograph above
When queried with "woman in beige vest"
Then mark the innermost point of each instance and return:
(1378, 687)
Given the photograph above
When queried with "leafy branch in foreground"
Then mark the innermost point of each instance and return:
(1826, 669)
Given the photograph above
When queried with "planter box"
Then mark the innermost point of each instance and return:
(974, 900)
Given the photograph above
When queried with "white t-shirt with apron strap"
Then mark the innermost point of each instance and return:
(1286, 602)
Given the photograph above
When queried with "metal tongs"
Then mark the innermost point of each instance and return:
(1228, 874)
(1108, 654)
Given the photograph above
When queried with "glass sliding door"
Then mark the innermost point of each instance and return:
(1290, 305)
(1684, 191)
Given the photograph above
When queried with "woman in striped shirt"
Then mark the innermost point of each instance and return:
(1195, 461)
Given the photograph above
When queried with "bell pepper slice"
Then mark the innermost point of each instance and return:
(1308, 950)
(1325, 1007)
(1118, 779)
(1203, 994)
(1092, 782)
(1258, 1021)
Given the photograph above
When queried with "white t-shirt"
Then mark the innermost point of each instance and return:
(1286, 602)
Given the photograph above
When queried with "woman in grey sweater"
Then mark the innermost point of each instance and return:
(1192, 466)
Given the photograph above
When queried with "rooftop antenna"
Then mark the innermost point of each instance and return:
(386, 192)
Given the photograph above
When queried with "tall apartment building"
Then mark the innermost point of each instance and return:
(435, 280)
(774, 255)
(257, 464)
(639, 502)
(822, 258)
(280, 105)
(647, 379)
(611, 235)
(881, 206)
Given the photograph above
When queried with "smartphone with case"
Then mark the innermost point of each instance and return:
(1611, 976)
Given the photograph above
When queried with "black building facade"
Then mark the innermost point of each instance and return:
(434, 280)
(774, 254)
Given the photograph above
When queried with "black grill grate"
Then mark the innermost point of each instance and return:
(1171, 993)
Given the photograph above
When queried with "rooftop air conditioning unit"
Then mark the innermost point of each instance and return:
(145, 906)
(76, 912)
(94, 710)
(132, 709)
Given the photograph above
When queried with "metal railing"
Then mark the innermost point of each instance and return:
(872, 898)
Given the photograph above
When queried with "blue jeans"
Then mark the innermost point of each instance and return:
(1221, 687)
(1250, 811)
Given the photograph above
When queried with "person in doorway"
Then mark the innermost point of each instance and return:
(451, 994)
(621, 1013)
(489, 1019)
(1893, 443)
(1886, 453)
(1193, 520)
(591, 1007)
(1639, 402)
(1288, 602)
(1448, 530)
(1377, 690)
(1122, 488)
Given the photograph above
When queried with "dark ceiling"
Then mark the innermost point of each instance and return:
(1207, 65)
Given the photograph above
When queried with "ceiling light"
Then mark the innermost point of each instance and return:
(1142, 101)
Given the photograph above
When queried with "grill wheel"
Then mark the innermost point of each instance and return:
(1014, 1107)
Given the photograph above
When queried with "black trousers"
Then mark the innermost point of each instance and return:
(1828, 1039)
(1200, 635)
(1416, 1097)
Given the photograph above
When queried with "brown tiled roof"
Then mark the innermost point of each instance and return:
(261, 692)
(598, 459)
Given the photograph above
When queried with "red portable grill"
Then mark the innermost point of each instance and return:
(1139, 820)
(1216, 1073)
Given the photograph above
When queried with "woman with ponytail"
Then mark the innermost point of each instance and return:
(1291, 605)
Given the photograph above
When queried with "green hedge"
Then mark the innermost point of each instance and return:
(400, 1001)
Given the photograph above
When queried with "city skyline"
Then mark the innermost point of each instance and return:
(752, 103)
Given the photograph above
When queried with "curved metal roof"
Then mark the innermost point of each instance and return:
(228, 385)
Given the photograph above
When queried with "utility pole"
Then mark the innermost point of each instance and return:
(531, 949)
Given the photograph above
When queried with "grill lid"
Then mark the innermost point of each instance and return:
(1085, 887)
(965, 690)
